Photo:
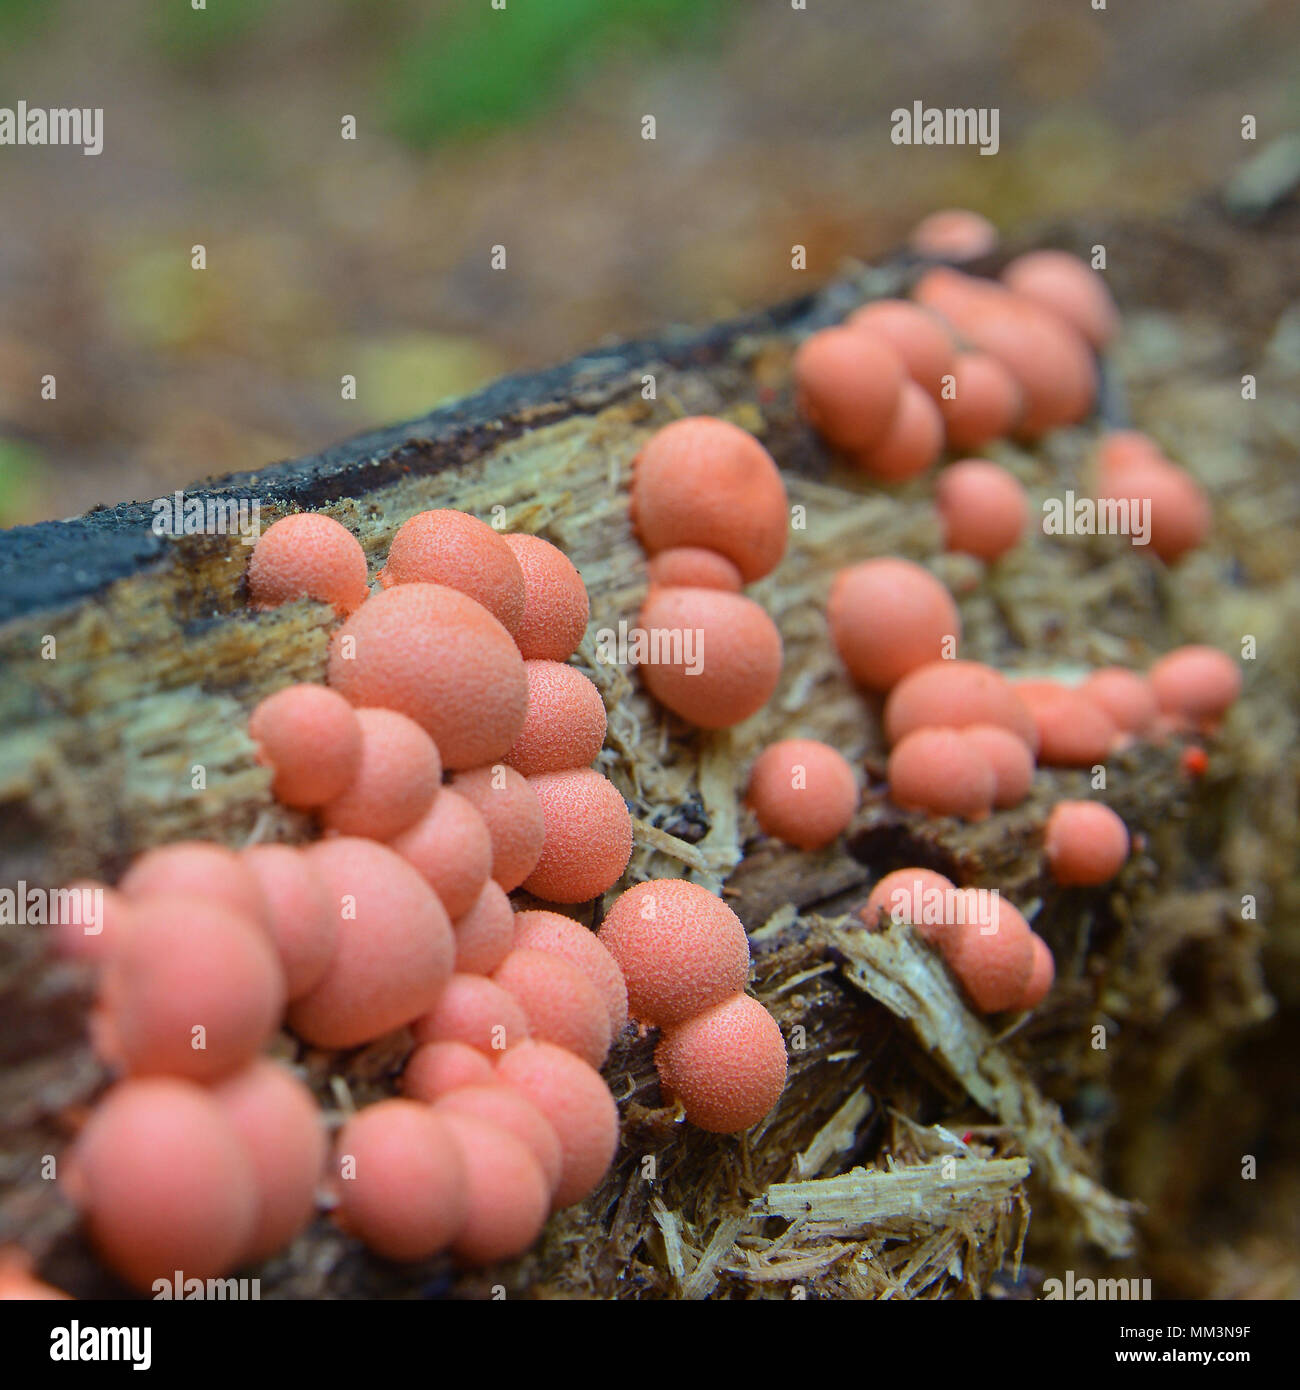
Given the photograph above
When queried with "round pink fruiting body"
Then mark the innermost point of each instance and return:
(507, 1195)
(1086, 843)
(474, 1010)
(954, 234)
(1073, 731)
(1177, 506)
(434, 655)
(694, 567)
(588, 838)
(1196, 684)
(310, 738)
(397, 779)
(887, 618)
(956, 694)
(984, 402)
(990, 951)
(308, 555)
(460, 551)
(848, 383)
(194, 990)
(922, 339)
(941, 772)
(911, 443)
(277, 1119)
(727, 1065)
(303, 927)
(576, 1103)
(400, 1179)
(700, 481)
(196, 869)
(450, 847)
(983, 509)
(949, 293)
(565, 726)
(1010, 759)
(1050, 360)
(681, 949)
(395, 946)
(733, 671)
(1127, 696)
(562, 936)
(504, 1105)
(556, 607)
(164, 1182)
(436, 1069)
(916, 896)
(803, 792)
(513, 816)
(485, 934)
(1068, 287)
(1119, 450)
(560, 1003)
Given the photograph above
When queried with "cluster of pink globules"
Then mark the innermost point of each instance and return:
(685, 957)
(964, 362)
(974, 360)
(448, 761)
(999, 959)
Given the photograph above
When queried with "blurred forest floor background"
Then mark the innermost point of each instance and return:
(371, 257)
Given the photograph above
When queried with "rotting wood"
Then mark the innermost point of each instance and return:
(862, 1199)
(159, 662)
(895, 968)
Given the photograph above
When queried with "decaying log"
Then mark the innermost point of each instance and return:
(911, 1143)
